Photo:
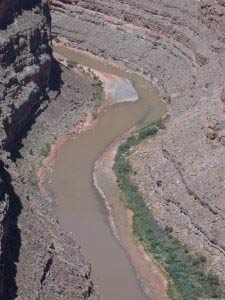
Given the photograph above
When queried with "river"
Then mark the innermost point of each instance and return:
(80, 207)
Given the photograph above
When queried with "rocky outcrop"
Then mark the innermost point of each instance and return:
(37, 260)
(180, 44)
(9, 10)
(25, 60)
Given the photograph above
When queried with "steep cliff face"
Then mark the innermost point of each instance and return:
(37, 260)
(9, 10)
(180, 44)
(3, 211)
(25, 60)
(25, 67)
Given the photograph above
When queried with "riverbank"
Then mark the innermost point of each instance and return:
(112, 93)
(186, 269)
(64, 49)
(153, 280)
(64, 55)
(59, 269)
(162, 39)
(136, 253)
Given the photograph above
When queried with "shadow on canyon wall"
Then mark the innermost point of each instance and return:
(13, 9)
(12, 241)
(55, 83)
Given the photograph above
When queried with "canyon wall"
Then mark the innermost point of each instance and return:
(181, 46)
(25, 57)
(37, 260)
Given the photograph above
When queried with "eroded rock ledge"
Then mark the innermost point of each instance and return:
(37, 260)
(181, 44)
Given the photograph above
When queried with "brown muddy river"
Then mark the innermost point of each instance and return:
(80, 208)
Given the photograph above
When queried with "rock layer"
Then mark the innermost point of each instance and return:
(37, 260)
(25, 58)
(180, 44)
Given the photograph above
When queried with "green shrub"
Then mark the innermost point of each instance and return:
(168, 229)
(33, 178)
(98, 93)
(57, 40)
(167, 99)
(71, 64)
(46, 150)
(147, 132)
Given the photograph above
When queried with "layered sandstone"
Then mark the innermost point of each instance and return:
(180, 44)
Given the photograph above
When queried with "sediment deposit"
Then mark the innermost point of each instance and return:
(180, 45)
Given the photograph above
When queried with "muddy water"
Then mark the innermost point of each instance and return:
(80, 208)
